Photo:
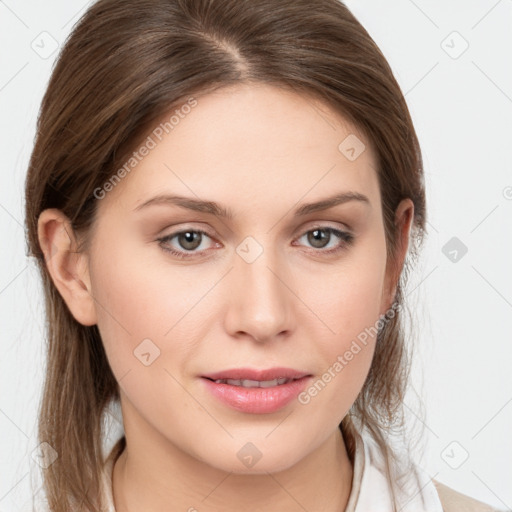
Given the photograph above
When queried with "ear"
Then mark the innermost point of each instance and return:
(403, 221)
(67, 267)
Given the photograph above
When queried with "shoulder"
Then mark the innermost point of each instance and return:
(454, 501)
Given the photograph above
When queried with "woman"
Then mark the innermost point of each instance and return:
(224, 198)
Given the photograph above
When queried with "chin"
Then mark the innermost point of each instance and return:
(249, 460)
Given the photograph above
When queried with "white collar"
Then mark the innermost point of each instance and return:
(370, 488)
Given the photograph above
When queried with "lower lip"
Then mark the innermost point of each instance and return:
(257, 400)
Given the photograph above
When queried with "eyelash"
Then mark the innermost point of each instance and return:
(346, 238)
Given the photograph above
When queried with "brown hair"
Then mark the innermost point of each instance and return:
(125, 64)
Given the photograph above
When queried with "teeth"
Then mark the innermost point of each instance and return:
(246, 383)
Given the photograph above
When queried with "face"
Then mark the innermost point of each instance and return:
(181, 293)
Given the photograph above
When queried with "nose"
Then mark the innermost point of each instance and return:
(260, 302)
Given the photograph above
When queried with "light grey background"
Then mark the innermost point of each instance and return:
(453, 62)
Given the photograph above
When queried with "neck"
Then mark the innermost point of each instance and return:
(149, 477)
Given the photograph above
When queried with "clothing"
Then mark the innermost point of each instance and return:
(370, 491)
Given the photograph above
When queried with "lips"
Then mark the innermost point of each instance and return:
(250, 374)
(265, 397)
(247, 383)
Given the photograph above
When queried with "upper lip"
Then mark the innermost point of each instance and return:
(257, 374)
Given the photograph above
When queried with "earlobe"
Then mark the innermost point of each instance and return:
(67, 267)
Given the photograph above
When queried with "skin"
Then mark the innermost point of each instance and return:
(262, 151)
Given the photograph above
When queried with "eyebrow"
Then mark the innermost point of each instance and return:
(218, 210)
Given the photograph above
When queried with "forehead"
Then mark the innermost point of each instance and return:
(248, 145)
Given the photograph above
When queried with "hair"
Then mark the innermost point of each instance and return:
(124, 65)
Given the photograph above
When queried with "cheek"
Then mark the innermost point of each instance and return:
(349, 305)
(348, 299)
(132, 305)
(147, 312)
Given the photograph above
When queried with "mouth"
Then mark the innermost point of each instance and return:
(256, 391)
(253, 375)
(247, 383)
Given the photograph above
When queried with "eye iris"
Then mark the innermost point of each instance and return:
(186, 240)
(318, 235)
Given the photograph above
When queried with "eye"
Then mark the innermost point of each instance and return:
(189, 240)
(321, 236)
